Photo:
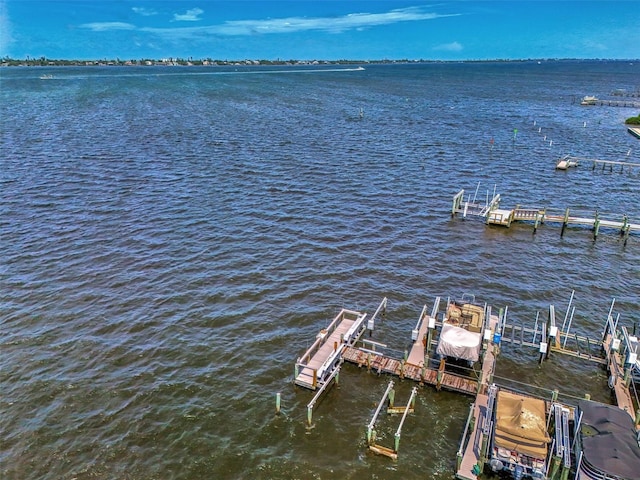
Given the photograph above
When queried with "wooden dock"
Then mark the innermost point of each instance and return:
(324, 356)
(610, 102)
(619, 379)
(494, 215)
(469, 454)
(341, 342)
(437, 377)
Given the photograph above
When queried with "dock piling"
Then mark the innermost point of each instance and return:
(278, 402)
(596, 226)
(457, 201)
(565, 222)
(626, 234)
(625, 222)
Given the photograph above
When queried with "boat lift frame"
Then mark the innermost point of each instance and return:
(371, 432)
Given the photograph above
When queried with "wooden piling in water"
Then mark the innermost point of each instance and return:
(565, 222)
(596, 226)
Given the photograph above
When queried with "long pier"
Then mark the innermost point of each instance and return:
(494, 215)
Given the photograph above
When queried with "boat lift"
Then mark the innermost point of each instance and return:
(371, 432)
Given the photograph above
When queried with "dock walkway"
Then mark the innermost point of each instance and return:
(567, 161)
(324, 356)
(619, 387)
(380, 363)
(470, 456)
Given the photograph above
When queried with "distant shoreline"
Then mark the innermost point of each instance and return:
(46, 62)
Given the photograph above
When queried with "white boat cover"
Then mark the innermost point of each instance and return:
(459, 343)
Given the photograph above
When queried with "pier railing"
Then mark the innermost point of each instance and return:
(325, 334)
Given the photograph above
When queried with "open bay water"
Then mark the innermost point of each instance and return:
(173, 238)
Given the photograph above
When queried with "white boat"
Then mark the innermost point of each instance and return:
(529, 438)
(566, 162)
(589, 100)
(519, 440)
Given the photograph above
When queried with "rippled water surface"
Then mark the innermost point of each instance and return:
(173, 238)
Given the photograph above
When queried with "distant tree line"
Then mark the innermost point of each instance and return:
(633, 120)
(48, 62)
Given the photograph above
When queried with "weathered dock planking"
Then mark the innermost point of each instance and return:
(615, 366)
(469, 454)
(317, 364)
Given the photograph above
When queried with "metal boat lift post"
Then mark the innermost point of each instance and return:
(335, 374)
(371, 433)
(381, 308)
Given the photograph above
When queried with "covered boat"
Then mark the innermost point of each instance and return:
(607, 443)
(520, 440)
(461, 334)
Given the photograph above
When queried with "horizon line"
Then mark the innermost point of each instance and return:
(189, 59)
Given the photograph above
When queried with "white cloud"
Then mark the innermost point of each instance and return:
(328, 24)
(593, 45)
(191, 15)
(107, 26)
(6, 38)
(145, 12)
(334, 24)
(449, 47)
(354, 21)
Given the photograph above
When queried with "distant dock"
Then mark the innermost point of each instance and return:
(592, 101)
(494, 215)
(568, 161)
(635, 131)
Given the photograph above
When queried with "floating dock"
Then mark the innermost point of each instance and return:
(635, 131)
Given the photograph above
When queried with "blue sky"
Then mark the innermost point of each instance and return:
(320, 29)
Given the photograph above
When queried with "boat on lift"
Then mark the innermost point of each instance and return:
(565, 162)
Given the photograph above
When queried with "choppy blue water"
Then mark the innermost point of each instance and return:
(173, 238)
